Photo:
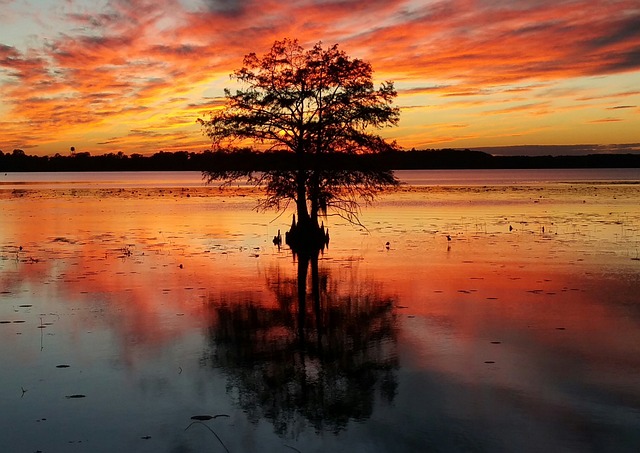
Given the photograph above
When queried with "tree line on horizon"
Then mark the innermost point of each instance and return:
(19, 161)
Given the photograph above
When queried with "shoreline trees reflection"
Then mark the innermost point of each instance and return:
(319, 355)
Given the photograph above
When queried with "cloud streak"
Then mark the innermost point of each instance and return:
(138, 64)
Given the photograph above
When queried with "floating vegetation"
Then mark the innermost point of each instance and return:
(207, 417)
(63, 239)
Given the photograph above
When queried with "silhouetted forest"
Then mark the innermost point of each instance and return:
(245, 159)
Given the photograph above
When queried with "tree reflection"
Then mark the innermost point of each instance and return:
(321, 355)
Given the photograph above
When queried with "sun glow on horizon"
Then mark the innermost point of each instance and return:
(134, 75)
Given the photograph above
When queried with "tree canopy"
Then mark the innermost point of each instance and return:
(316, 104)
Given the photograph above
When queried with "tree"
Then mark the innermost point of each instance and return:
(319, 105)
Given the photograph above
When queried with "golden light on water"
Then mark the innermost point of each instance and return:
(138, 305)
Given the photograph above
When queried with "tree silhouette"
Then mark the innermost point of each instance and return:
(316, 104)
(319, 356)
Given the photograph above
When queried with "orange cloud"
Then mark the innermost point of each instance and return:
(161, 64)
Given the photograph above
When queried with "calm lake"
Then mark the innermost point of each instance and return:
(484, 311)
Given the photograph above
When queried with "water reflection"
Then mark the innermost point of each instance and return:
(494, 341)
(320, 352)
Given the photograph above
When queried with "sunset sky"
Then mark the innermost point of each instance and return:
(134, 75)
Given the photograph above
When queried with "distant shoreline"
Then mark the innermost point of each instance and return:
(246, 160)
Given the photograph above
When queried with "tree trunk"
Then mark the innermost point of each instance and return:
(315, 199)
(304, 221)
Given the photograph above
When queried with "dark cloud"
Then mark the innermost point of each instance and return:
(208, 102)
(227, 7)
(93, 20)
(7, 53)
(182, 50)
(423, 89)
(618, 31)
(628, 60)
(518, 108)
(606, 120)
(609, 96)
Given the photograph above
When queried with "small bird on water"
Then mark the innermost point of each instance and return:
(277, 240)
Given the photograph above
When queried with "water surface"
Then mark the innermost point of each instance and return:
(131, 303)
